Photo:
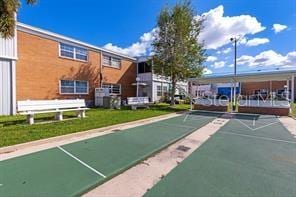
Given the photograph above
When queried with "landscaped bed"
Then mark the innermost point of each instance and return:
(15, 130)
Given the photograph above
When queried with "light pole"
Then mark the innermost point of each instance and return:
(138, 79)
(234, 40)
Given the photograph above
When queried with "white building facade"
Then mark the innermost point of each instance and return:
(8, 57)
(152, 85)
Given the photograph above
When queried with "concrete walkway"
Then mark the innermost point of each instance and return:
(137, 180)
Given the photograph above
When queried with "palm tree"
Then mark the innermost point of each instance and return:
(8, 8)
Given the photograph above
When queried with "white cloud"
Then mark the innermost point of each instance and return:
(211, 58)
(218, 29)
(268, 58)
(257, 41)
(278, 28)
(143, 47)
(216, 32)
(207, 71)
(220, 64)
(226, 51)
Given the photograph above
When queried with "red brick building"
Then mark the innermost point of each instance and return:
(45, 65)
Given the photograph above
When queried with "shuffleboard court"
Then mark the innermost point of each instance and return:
(75, 168)
(249, 156)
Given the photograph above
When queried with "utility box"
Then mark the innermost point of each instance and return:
(112, 102)
(100, 93)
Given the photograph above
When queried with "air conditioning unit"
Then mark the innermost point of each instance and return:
(100, 93)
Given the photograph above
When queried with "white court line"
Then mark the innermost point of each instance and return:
(189, 119)
(244, 124)
(257, 137)
(176, 125)
(89, 167)
(258, 127)
(185, 117)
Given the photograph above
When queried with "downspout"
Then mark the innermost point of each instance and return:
(13, 71)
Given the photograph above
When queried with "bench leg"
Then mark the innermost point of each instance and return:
(59, 116)
(30, 119)
(81, 114)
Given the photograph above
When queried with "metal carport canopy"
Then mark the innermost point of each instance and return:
(246, 77)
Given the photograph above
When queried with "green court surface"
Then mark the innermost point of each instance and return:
(250, 156)
(73, 169)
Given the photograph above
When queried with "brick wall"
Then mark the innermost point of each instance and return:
(125, 76)
(249, 87)
(39, 69)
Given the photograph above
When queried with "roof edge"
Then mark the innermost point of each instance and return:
(41, 32)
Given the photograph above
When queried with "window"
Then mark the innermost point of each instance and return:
(113, 88)
(144, 67)
(67, 50)
(73, 52)
(158, 91)
(111, 61)
(73, 87)
(81, 54)
(165, 89)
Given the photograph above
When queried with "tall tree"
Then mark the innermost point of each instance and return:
(8, 8)
(177, 53)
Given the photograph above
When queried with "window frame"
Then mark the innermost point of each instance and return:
(75, 92)
(159, 90)
(74, 52)
(111, 57)
(111, 85)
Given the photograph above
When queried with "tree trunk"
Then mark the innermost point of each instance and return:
(173, 91)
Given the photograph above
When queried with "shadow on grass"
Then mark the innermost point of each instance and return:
(23, 121)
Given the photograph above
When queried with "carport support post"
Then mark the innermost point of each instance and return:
(288, 90)
(293, 89)
(234, 94)
(190, 94)
(231, 97)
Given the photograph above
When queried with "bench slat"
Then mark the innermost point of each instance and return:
(137, 100)
(39, 105)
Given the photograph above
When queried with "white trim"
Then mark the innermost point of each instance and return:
(60, 38)
(246, 77)
(293, 88)
(83, 163)
(257, 137)
(13, 86)
(111, 56)
(112, 84)
(74, 52)
(8, 58)
(75, 93)
(15, 38)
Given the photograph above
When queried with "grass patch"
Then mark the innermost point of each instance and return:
(293, 113)
(15, 130)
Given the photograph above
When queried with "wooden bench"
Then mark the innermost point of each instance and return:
(136, 102)
(31, 107)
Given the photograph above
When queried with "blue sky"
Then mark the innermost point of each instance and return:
(267, 28)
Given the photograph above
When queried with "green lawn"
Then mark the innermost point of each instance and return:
(294, 110)
(15, 130)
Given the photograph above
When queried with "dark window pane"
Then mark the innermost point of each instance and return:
(67, 54)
